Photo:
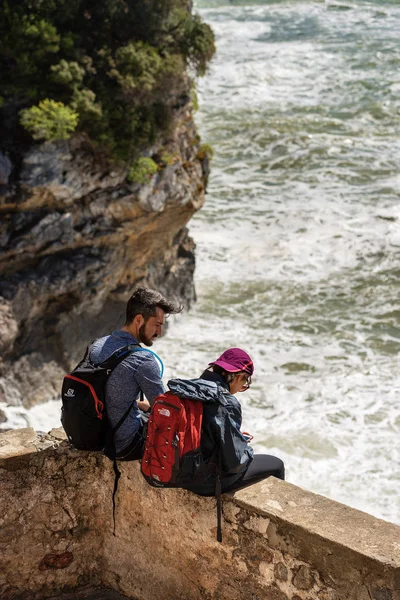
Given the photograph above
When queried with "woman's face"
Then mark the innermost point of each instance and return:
(240, 383)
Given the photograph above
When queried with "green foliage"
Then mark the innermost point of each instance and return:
(193, 97)
(142, 170)
(83, 102)
(187, 35)
(120, 65)
(68, 73)
(205, 151)
(49, 121)
(167, 158)
(42, 35)
(136, 67)
(198, 43)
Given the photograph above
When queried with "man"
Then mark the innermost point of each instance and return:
(139, 372)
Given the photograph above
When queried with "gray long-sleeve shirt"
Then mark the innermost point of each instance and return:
(139, 371)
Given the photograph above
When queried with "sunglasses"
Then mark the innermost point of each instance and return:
(247, 382)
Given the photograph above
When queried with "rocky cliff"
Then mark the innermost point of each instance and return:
(75, 239)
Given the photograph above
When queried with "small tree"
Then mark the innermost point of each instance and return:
(49, 121)
(142, 170)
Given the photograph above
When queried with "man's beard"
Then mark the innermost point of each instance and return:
(143, 337)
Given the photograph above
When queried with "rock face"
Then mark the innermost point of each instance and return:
(75, 239)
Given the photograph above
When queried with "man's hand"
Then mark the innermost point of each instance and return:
(144, 405)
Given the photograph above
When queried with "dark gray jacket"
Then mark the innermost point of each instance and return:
(222, 419)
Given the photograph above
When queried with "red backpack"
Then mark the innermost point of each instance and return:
(172, 455)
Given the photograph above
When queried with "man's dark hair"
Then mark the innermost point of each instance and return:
(144, 301)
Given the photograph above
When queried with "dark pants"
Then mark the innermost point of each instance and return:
(134, 451)
(261, 467)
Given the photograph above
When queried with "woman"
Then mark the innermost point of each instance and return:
(224, 448)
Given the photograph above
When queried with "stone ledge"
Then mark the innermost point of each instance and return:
(17, 446)
(280, 542)
(320, 516)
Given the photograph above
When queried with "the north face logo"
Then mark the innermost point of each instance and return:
(164, 411)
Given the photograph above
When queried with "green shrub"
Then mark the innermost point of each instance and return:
(193, 97)
(83, 102)
(41, 34)
(135, 67)
(198, 44)
(120, 65)
(68, 73)
(205, 151)
(167, 158)
(142, 170)
(188, 35)
(49, 121)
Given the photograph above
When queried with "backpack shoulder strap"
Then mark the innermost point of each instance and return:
(118, 356)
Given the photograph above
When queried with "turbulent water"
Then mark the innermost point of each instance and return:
(298, 245)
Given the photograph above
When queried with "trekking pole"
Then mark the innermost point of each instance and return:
(218, 491)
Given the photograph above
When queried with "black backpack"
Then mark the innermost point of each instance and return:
(83, 412)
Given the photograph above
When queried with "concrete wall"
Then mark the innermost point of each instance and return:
(279, 541)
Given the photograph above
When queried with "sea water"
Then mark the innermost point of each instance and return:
(298, 244)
